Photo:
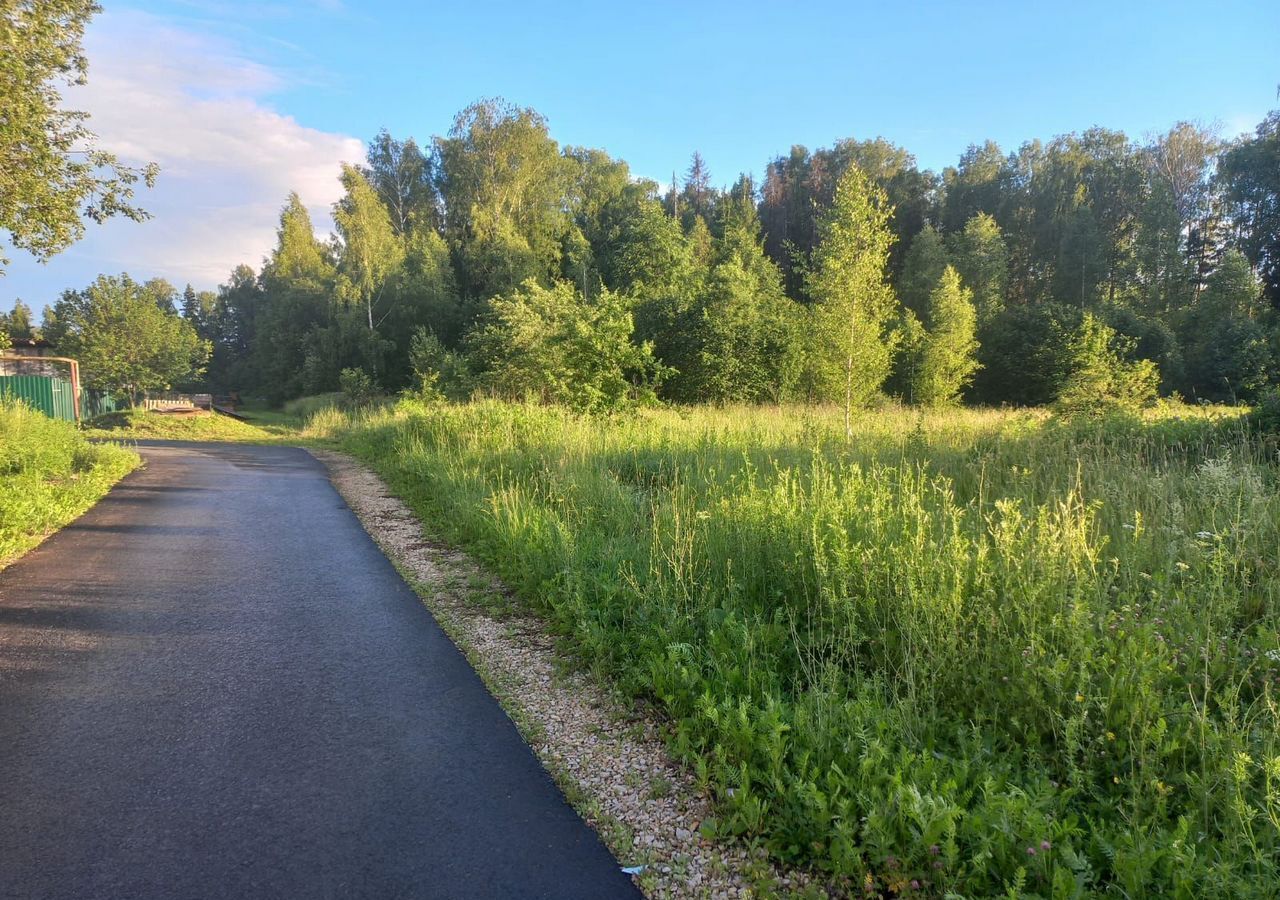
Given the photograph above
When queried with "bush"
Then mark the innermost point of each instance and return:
(1101, 379)
(49, 475)
(358, 388)
(554, 346)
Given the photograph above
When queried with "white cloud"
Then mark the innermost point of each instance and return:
(197, 106)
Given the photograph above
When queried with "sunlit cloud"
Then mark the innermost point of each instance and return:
(198, 107)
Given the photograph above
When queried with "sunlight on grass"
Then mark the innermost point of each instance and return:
(49, 475)
(982, 650)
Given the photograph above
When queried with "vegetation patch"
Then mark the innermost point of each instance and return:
(139, 424)
(978, 652)
(49, 475)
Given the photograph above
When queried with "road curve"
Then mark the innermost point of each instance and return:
(215, 685)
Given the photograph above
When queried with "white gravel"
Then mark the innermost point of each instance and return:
(611, 763)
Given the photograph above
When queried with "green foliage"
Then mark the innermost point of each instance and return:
(922, 271)
(1101, 378)
(739, 292)
(918, 655)
(851, 353)
(741, 336)
(127, 336)
(1226, 354)
(502, 181)
(17, 324)
(1250, 175)
(554, 346)
(372, 250)
(358, 388)
(49, 475)
(1023, 354)
(438, 373)
(54, 174)
(947, 356)
(979, 254)
(141, 424)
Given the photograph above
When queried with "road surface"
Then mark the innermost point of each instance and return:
(215, 685)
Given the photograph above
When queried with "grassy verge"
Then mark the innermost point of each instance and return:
(976, 652)
(49, 475)
(135, 424)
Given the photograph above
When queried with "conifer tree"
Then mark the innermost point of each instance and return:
(948, 358)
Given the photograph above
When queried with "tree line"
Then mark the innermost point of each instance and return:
(496, 260)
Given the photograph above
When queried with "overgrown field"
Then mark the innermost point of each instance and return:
(49, 474)
(976, 652)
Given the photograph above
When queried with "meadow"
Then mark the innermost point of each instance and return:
(973, 651)
(49, 475)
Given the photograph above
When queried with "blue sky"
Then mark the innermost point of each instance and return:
(241, 102)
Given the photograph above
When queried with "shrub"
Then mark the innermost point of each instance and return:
(1101, 378)
(49, 474)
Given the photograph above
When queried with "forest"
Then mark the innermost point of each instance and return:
(494, 261)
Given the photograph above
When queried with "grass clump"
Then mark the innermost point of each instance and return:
(140, 424)
(49, 475)
(980, 652)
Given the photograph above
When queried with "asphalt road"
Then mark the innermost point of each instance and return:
(215, 685)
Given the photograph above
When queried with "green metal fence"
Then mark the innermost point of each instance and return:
(51, 396)
(96, 403)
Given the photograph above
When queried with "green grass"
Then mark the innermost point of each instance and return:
(49, 475)
(137, 424)
(987, 652)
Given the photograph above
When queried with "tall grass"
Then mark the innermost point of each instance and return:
(49, 474)
(977, 652)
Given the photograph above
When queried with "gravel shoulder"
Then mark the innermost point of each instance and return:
(610, 762)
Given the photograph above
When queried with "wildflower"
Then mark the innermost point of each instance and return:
(1115, 779)
(937, 864)
(1031, 851)
(1182, 567)
(934, 849)
(1111, 735)
(1045, 845)
(1079, 698)
(915, 885)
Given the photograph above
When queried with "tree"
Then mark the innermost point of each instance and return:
(982, 260)
(52, 174)
(371, 250)
(401, 175)
(553, 345)
(854, 302)
(979, 184)
(742, 330)
(18, 325)
(1100, 378)
(1250, 177)
(1022, 354)
(125, 341)
(1226, 354)
(503, 183)
(947, 359)
(925, 262)
(291, 353)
